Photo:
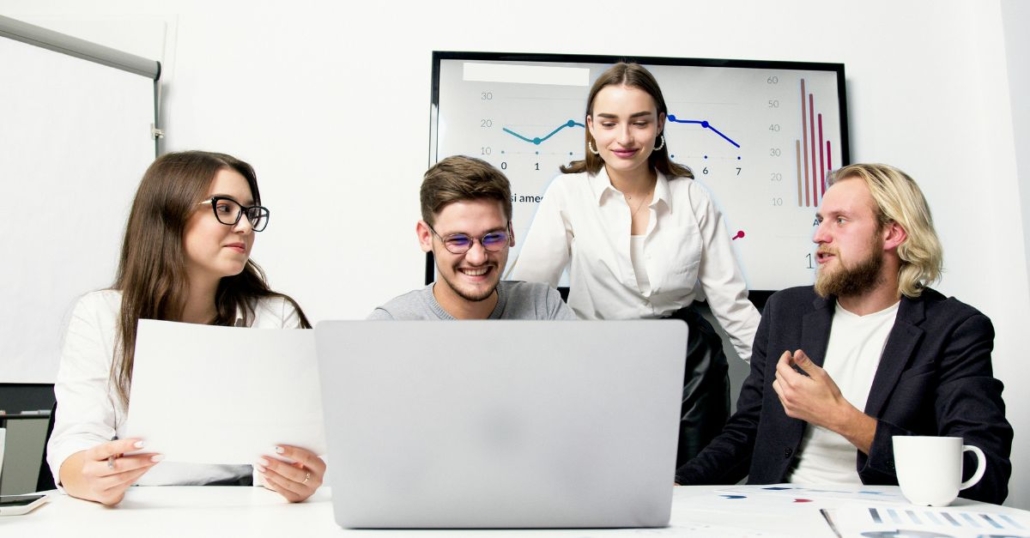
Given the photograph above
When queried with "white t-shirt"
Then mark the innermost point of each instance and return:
(852, 357)
(89, 411)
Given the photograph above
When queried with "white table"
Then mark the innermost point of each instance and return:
(256, 512)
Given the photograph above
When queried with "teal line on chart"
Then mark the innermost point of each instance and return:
(538, 140)
(706, 125)
(573, 123)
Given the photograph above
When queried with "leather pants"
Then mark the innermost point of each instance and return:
(706, 386)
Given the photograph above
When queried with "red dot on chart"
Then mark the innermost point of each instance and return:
(740, 233)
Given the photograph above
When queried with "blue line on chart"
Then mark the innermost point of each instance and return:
(573, 123)
(706, 125)
(538, 140)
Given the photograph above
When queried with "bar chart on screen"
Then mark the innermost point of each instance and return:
(814, 153)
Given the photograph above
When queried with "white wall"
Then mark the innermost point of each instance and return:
(329, 101)
(1016, 16)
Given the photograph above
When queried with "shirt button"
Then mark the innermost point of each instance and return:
(788, 452)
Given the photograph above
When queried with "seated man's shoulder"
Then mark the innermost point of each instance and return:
(795, 298)
(939, 306)
(532, 300)
(522, 287)
(407, 306)
(530, 291)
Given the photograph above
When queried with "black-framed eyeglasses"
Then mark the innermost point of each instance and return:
(462, 243)
(229, 211)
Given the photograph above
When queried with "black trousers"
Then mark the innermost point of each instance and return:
(706, 386)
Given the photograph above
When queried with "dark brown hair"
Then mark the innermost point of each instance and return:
(635, 76)
(152, 269)
(460, 178)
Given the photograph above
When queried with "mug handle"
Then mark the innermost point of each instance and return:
(981, 466)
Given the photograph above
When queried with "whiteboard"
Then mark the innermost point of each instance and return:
(74, 143)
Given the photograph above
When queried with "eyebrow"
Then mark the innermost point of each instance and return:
(466, 234)
(634, 115)
(834, 213)
(231, 197)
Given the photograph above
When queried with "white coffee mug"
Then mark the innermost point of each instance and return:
(3, 441)
(930, 468)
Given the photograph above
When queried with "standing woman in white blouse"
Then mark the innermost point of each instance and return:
(642, 240)
(186, 258)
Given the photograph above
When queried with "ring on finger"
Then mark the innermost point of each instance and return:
(307, 476)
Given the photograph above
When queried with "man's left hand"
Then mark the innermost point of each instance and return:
(812, 396)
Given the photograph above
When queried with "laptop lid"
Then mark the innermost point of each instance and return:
(501, 423)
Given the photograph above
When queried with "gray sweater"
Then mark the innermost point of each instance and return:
(515, 300)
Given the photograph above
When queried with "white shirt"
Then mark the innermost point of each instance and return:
(852, 357)
(89, 411)
(687, 254)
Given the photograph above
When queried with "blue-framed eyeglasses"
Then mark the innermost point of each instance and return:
(462, 243)
(229, 211)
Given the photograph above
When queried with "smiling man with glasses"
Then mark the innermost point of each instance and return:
(466, 224)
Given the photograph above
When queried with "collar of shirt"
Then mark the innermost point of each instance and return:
(601, 184)
(239, 318)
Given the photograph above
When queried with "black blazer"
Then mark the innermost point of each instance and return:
(934, 378)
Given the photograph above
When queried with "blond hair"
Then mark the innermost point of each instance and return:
(898, 199)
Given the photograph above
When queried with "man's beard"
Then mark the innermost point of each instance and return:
(851, 281)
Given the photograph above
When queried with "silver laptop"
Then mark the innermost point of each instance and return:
(501, 424)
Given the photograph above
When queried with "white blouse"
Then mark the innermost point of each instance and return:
(584, 221)
(89, 411)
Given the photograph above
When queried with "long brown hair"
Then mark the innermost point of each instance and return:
(635, 76)
(152, 269)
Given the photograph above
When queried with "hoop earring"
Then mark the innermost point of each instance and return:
(662, 145)
(590, 146)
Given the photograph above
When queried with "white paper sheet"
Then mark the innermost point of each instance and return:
(224, 395)
(750, 511)
(859, 493)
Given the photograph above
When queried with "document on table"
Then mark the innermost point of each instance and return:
(920, 521)
(801, 493)
(224, 395)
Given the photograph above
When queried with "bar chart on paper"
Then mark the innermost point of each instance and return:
(761, 139)
(914, 521)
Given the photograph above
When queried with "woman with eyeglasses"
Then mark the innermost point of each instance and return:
(641, 239)
(186, 258)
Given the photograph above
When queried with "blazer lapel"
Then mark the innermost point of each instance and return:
(815, 330)
(815, 336)
(901, 344)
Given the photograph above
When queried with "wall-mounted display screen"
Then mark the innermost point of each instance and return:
(760, 135)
